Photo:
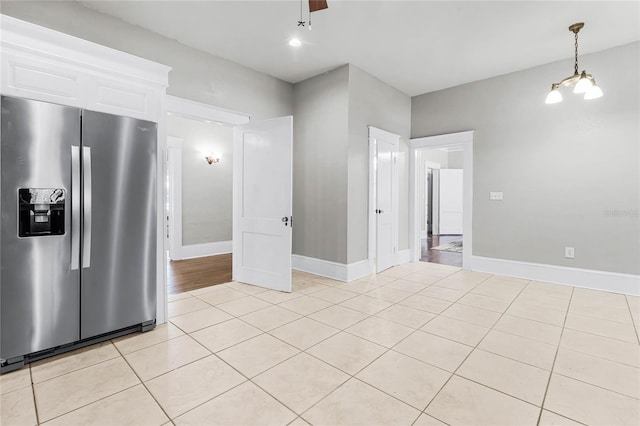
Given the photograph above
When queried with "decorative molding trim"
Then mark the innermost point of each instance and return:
(202, 250)
(204, 112)
(333, 270)
(46, 43)
(585, 278)
(359, 269)
(404, 256)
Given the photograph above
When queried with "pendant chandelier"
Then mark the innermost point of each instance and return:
(580, 81)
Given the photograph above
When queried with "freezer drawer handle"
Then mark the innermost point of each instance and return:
(75, 207)
(86, 168)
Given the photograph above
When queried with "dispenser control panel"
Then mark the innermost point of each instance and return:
(41, 211)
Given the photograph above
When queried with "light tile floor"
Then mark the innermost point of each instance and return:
(419, 344)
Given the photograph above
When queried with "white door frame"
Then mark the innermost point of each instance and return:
(209, 114)
(465, 140)
(375, 133)
(174, 175)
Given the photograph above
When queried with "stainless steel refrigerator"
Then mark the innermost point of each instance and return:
(78, 233)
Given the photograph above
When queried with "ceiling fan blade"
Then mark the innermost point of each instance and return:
(315, 5)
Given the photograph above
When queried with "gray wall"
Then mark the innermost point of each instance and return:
(206, 189)
(569, 172)
(455, 160)
(331, 161)
(374, 103)
(196, 75)
(320, 141)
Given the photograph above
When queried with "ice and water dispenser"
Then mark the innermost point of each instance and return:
(40, 212)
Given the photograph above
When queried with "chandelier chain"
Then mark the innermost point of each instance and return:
(575, 68)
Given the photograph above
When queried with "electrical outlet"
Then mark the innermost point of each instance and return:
(569, 252)
(495, 196)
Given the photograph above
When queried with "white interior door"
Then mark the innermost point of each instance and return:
(386, 198)
(451, 198)
(262, 190)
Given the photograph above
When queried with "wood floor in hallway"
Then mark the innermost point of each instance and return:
(440, 256)
(192, 274)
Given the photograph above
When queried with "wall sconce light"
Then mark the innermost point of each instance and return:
(211, 159)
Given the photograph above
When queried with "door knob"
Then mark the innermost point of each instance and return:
(285, 220)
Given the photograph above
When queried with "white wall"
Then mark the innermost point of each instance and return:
(196, 75)
(206, 189)
(570, 172)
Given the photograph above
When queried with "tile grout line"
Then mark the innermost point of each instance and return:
(633, 321)
(553, 365)
(473, 349)
(144, 384)
(33, 393)
(332, 366)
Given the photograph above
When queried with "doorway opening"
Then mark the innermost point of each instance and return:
(440, 178)
(441, 170)
(198, 194)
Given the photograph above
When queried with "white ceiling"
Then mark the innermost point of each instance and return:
(415, 46)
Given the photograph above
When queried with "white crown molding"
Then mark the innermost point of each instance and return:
(25, 37)
(585, 278)
(204, 112)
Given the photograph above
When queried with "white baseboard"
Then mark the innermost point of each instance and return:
(337, 271)
(585, 278)
(202, 250)
(404, 256)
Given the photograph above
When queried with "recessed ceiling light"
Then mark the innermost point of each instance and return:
(295, 42)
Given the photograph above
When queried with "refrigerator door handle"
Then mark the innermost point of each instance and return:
(75, 207)
(86, 168)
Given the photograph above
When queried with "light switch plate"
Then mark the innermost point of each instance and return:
(569, 252)
(496, 196)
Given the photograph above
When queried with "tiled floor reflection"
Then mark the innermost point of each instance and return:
(419, 344)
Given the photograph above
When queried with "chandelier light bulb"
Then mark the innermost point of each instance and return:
(584, 84)
(593, 93)
(554, 96)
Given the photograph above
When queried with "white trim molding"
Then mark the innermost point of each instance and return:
(201, 112)
(201, 250)
(463, 140)
(204, 112)
(577, 277)
(334, 270)
(404, 256)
